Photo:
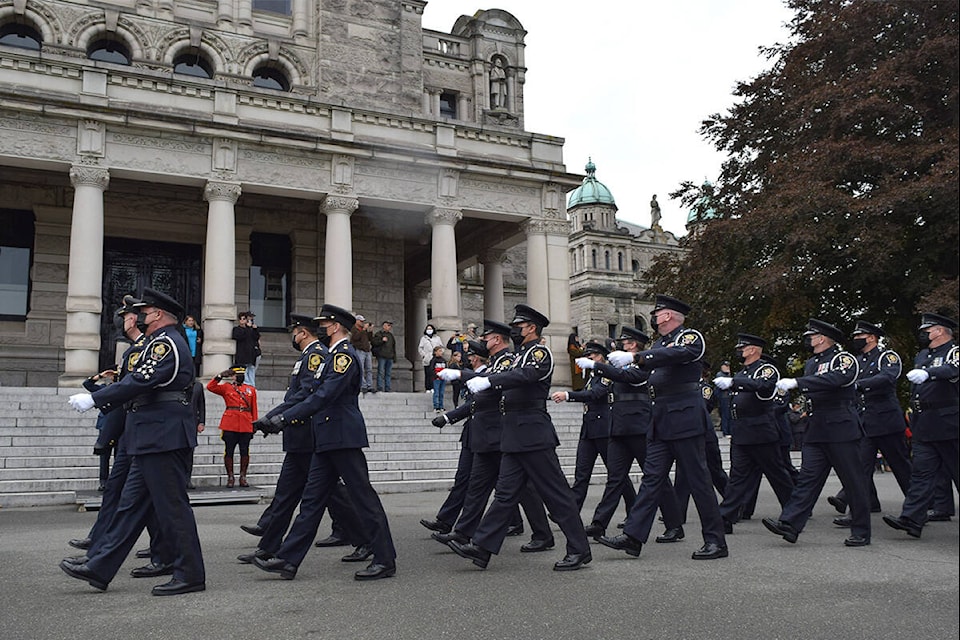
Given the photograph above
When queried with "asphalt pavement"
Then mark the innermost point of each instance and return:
(898, 587)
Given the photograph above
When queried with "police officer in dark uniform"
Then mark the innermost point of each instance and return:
(528, 442)
(485, 422)
(755, 448)
(678, 424)
(340, 435)
(936, 419)
(630, 420)
(832, 438)
(880, 413)
(298, 447)
(162, 434)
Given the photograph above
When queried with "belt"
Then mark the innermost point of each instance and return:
(525, 405)
(478, 407)
(674, 390)
(921, 406)
(748, 414)
(247, 409)
(629, 397)
(160, 396)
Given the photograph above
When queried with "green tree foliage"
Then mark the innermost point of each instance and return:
(839, 197)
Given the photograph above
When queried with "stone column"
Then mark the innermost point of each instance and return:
(338, 253)
(445, 287)
(538, 291)
(548, 284)
(85, 274)
(416, 320)
(219, 276)
(492, 261)
(224, 14)
(300, 27)
(245, 12)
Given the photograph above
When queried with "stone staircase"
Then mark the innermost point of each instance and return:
(46, 448)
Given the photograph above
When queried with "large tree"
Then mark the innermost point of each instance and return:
(839, 197)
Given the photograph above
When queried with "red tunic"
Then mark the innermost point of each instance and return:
(241, 405)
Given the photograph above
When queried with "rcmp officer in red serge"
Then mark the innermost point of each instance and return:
(161, 433)
(528, 442)
(340, 434)
(936, 419)
(832, 438)
(298, 450)
(756, 436)
(677, 429)
(880, 414)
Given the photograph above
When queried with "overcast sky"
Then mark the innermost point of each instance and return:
(628, 83)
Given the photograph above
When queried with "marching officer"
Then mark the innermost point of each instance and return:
(677, 429)
(936, 419)
(832, 438)
(528, 442)
(755, 448)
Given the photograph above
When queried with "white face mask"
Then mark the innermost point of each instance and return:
(429, 332)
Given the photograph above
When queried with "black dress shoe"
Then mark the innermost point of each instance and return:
(436, 525)
(77, 559)
(247, 558)
(573, 561)
(671, 535)
(781, 528)
(594, 530)
(623, 542)
(176, 587)
(82, 572)
(252, 529)
(332, 541)
(746, 516)
(470, 551)
(938, 516)
(143, 553)
(152, 570)
(904, 524)
(710, 551)
(843, 521)
(838, 504)
(80, 543)
(537, 545)
(727, 527)
(277, 565)
(515, 530)
(446, 538)
(856, 541)
(360, 554)
(375, 571)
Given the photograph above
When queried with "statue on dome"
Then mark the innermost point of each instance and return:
(654, 213)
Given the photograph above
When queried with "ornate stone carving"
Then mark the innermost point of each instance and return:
(447, 183)
(339, 204)
(224, 155)
(547, 226)
(488, 256)
(221, 191)
(443, 216)
(90, 176)
(90, 138)
(342, 169)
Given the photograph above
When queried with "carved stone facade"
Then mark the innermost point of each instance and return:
(293, 158)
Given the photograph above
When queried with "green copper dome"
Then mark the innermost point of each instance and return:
(592, 191)
(703, 208)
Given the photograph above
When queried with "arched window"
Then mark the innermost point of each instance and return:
(268, 77)
(193, 63)
(273, 6)
(15, 34)
(606, 260)
(593, 255)
(635, 266)
(109, 50)
(619, 260)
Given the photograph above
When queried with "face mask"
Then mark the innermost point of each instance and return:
(324, 340)
(293, 341)
(653, 321)
(516, 336)
(429, 332)
(859, 343)
(923, 338)
(142, 321)
(808, 343)
(740, 357)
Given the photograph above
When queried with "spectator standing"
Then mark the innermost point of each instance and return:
(457, 343)
(428, 341)
(236, 425)
(575, 350)
(361, 339)
(194, 340)
(456, 362)
(247, 336)
(384, 347)
(437, 364)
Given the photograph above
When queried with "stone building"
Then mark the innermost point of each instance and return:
(267, 155)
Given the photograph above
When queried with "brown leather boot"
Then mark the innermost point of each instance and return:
(228, 463)
(244, 463)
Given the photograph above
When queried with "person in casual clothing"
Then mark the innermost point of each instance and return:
(428, 342)
(236, 425)
(385, 350)
(456, 362)
(437, 364)
(194, 340)
(361, 338)
(247, 336)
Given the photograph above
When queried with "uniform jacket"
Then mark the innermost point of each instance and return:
(935, 402)
(158, 389)
(332, 406)
(630, 412)
(880, 410)
(298, 437)
(752, 408)
(828, 382)
(525, 386)
(595, 397)
(486, 421)
(241, 401)
(677, 406)
(466, 410)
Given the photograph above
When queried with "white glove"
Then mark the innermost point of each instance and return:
(478, 384)
(918, 376)
(785, 384)
(81, 402)
(449, 375)
(723, 382)
(585, 363)
(620, 358)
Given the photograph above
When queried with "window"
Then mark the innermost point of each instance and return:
(273, 6)
(619, 260)
(635, 266)
(606, 260)
(109, 50)
(20, 35)
(267, 77)
(16, 255)
(593, 256)
(270, 279)
(448, 104)
(193, 63)
(612, 331)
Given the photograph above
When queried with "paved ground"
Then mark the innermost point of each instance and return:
(767, 589)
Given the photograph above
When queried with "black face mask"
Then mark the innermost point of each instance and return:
(740, 356)
(653, 321)
(296, 345)
(808, 343)
(516, 336)
(923, 339)
(324, 340)
(859, 344)
(142, 321)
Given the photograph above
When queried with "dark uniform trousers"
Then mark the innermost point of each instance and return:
(542, 469)
(326, 469)
(691, 461)
(748, 463)
(942, 500)
(453, 505)
(587, 452)
(719, 477)
(932, 462)
(156, 482)
(893, 446)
